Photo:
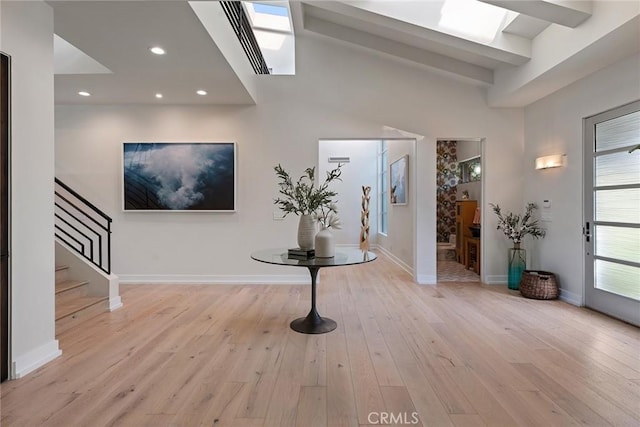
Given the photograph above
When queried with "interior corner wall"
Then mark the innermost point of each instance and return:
(399, 241)
(27, 36)
(356, 100)
(553, 125)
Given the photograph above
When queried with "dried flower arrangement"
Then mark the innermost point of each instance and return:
(516, 227)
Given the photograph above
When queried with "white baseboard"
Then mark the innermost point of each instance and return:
(115, 303)
(500, 279)
(193, 279)
(396, 260)
(427, 279)
(22, 365)
(570, 297)
(231, 279)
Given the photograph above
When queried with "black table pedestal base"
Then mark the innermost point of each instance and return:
(313, 324)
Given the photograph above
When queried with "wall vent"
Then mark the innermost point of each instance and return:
(339, 159)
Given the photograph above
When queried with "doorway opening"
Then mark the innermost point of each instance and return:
(458, 204)
(377, 163)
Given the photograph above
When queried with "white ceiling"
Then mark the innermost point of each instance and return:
(118, 34)
(541, 46)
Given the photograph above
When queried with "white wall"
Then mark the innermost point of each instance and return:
(467, 149)
(362, 170)
(355, 100)
(399, 241)
(553, 125)
(27, 36)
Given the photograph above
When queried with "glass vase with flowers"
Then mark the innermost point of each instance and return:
(304, 198)
(516, 227)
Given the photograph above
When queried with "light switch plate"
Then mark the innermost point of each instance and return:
(546, 203)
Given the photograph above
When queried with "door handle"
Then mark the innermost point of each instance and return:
(586, 231)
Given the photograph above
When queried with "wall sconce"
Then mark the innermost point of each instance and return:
(553, 161)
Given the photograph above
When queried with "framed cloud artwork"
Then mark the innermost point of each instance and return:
(179, 176)
(398, 179)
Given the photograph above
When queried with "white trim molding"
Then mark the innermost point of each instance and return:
(34, 359)
(406, 267)
(115, 303)
(426, 279)
(570, 297)
(195, 279)
(500, 279)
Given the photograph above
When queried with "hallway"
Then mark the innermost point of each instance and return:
(452, 271)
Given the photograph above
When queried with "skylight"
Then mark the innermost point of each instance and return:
(271, 25)
(472, 18)
(269, 16)
(270, 9)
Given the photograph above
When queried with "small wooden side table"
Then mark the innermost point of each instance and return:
(472, 253)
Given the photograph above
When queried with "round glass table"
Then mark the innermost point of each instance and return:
(314, 323)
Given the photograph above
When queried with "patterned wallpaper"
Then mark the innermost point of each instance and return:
(446, 180)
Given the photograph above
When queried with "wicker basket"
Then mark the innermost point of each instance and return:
(539, 285)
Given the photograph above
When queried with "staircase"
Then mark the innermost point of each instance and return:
(75, 300)
(85, 286)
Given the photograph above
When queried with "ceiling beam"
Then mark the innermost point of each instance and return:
(506, 49)
(563, 12)
(525, 26)
(561, 57)
(398, 49)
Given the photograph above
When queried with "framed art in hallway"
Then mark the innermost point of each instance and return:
(179, 176)
(398, 179)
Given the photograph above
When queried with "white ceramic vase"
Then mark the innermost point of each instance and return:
(306, 232)
(325, 246)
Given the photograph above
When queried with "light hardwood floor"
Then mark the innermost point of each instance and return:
(451, 355)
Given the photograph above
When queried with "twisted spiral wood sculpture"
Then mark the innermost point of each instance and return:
(364, 219)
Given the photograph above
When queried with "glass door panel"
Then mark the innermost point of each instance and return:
(619, 132)
(618, 205)
(617, 169)
(618, 243)
(618, 278)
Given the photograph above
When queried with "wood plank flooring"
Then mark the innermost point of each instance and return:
(456, 354)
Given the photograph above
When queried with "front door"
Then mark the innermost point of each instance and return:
(612, 212)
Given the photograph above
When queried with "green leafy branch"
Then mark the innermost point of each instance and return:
(303, 197)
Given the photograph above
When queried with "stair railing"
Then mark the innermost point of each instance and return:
(242, 27)
(82, 226)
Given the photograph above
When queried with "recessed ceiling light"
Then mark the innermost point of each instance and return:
(84, 93)
(157, 50)
(201, 92)
(158, 95)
